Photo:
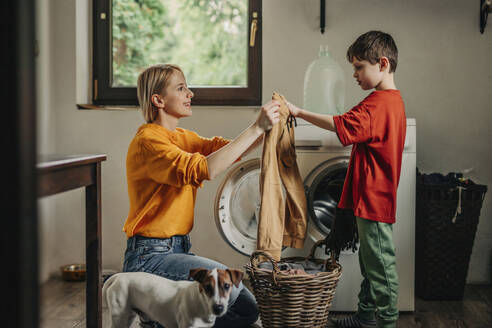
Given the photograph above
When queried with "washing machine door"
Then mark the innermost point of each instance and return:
(323, 188)
(237, 202)
(237, 205)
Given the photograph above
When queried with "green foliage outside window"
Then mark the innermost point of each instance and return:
(206, 38)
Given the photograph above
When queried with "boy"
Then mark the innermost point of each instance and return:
(376, 128)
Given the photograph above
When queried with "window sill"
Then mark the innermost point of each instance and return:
(107, 107)
(137, 108)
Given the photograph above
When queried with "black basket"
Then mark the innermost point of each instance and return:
(447, 219)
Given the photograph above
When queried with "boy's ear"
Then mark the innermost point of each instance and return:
(384, 63)
(157, 100)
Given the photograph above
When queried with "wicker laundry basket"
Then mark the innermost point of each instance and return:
(285, 300)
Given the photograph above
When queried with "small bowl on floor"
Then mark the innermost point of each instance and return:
(73, 272)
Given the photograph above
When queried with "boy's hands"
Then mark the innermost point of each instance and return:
(293, 109)
(268, 116)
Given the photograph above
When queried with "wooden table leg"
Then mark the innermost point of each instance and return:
(93, 251)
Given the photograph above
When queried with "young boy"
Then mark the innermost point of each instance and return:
(376, 128)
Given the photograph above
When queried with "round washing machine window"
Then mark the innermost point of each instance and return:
(323, 190)
(237, 205)
(237, 202)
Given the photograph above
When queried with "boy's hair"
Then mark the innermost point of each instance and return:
(153, 80)
(373, 45)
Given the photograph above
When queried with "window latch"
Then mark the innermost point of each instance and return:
(254, 27)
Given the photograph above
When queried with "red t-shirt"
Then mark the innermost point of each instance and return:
(376, 127)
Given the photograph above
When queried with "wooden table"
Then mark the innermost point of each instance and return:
(59, 173)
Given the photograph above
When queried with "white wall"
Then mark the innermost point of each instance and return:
(444, 74)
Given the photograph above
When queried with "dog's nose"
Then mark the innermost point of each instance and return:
(218, 308)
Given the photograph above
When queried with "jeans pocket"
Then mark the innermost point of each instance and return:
(151, 257)
(147, 252)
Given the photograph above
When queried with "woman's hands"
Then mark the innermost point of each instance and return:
(221, 159)
(293, 109)
(269, 116)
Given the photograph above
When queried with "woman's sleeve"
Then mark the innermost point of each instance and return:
(354, 126)
(207, 146)
(167, 164)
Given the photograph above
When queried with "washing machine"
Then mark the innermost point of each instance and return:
(323, 163)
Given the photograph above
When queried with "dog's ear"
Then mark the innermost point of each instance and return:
(198, 274)
(236, 276)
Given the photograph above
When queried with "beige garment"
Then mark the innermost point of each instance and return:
(281, 223)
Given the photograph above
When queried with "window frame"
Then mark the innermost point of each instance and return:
(104, 94)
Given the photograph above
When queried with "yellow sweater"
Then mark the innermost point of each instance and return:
(164, 169)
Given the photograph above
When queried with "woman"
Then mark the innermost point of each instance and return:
(165, 165)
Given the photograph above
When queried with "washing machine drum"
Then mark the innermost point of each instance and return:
(237, 202)
(323, 190)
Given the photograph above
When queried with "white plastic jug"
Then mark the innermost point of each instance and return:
(324, 85)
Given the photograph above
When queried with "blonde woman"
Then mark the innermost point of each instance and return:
(165, 166)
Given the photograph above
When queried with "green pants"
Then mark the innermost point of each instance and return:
(379, 289)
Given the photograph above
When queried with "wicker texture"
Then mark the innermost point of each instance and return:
(447, 220)
(293, 300)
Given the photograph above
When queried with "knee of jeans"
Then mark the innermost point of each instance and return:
(254, 316)
(251, 309)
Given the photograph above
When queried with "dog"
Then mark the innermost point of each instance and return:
(174, 304)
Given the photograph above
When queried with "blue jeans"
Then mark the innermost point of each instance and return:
(171, 258)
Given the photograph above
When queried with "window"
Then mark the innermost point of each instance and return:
(217, 43)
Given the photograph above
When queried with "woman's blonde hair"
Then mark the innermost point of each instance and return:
(153, 80)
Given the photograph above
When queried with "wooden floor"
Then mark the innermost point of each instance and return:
(63, 305)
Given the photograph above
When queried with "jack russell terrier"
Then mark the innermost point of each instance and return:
(174, 304)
